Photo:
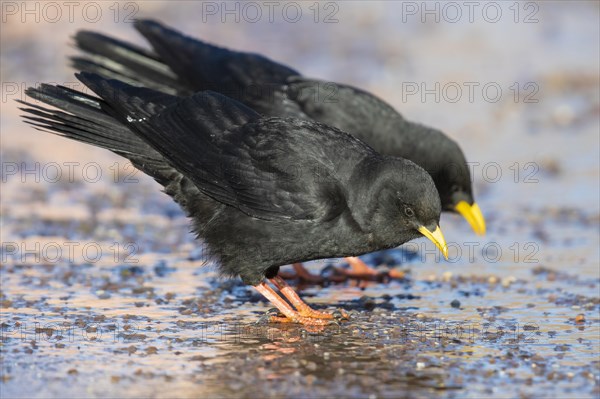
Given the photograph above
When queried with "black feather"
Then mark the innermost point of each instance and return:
(262, 191)
(274, 89)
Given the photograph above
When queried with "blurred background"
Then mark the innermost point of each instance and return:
(516, 84)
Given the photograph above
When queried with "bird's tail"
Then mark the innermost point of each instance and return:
(177, 64)
(205, 66)
(116, 59)
(87, 119)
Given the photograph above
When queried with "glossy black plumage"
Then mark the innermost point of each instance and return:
(182, 65)
(262, 191)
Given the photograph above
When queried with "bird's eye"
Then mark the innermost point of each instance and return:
(455, 188)
(409, 212)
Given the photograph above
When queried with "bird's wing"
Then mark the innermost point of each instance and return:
(268, 168)
(348, 108)
(208, 67)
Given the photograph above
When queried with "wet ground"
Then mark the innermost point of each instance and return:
(105, 293)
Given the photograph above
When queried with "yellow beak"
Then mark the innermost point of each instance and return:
(437, 237)
(473, 215)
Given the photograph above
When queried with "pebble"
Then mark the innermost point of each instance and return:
(151, 350)
(102, 294)
(455, 304)
(507, 281)
(563, 115)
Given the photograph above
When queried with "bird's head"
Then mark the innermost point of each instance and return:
(445, 161)
(453, 181)
(403, 198)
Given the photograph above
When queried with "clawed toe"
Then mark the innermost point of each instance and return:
(302, 314)
(305, 321)
(269, 315)
(319, 319)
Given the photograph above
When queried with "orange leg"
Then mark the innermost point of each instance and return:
(362, 271)
(286, 309)
(358, 267)
(359, 270)
(298, 303)
(305, 275)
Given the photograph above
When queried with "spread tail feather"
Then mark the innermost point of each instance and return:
(83, 118)
(115, 59)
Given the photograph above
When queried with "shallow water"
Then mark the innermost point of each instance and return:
(104, 291)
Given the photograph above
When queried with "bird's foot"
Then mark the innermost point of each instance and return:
(360, 268)
(359, 271)
(337, 314)
(303, 275)
(303, 309)
(362, 272)
(305, 321)
(302, 314)
(320, 319)
(316, 314)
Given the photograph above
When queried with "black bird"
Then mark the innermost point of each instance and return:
(182, 65)
(261, 191)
